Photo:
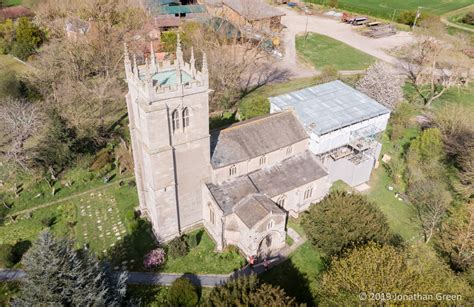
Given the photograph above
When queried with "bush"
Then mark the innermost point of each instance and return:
(408, 18)
(182, 293)
(342, 220)
(178, 247)
(254, 107)
(192, 240)
(469, 18)
(329, 73)
(154, 258)
(48, 221)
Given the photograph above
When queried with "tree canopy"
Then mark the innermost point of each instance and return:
(341, 220)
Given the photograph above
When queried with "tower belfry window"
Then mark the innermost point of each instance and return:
(175, 120)
(185, 118)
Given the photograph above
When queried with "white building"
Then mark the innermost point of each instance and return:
(343, 125)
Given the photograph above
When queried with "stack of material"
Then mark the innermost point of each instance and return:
(380, 31)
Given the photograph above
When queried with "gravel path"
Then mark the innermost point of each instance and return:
(296, 24)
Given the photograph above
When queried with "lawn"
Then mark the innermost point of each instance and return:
(203, 259)
(462, 96)
(8, 63)
(386, 8)
(320, 50)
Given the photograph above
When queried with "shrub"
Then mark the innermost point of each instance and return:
(407, 17)
(192, 240)
(329, 73)
(254, 107)
(182, 293)
(342, 220)
(469, 18)
(178, 247)
(154, 258)
(48, 221)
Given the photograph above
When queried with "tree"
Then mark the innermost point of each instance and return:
(56, 149)
(56, 274)
(427, 189)
(341, 220)
(247, 291)
(28, 37)
(456, 240)
(434, 63)
(21, 120)
(455, 124)
(382, 83)
(154, 258)
(386, 270)
(182, 293)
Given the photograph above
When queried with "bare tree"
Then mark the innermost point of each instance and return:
(431, 200)
(433, 64)
(456, 240)
(21, 120)
(382, 83)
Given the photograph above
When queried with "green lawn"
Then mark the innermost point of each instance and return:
(320, 51)
(386, 8)
(8, 63)
(203, 259)
(462, 96)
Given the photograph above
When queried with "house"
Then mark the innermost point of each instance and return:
(344, 126)
(169, 14)
(241, 182)
(252, 14)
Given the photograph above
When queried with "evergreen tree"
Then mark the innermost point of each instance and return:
(247, 291)
(57, 274)
(341, 220)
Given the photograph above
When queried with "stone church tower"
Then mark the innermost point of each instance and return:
(169, 124)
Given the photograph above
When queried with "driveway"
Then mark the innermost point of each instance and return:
(296, 24)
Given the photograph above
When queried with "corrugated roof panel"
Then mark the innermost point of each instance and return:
(330, 106)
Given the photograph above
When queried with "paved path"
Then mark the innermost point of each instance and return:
(296, 24)
(203, 280)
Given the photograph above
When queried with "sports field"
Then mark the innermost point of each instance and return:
(386, 8)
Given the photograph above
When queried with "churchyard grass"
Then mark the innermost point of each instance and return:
(203, 259)
(320, 50)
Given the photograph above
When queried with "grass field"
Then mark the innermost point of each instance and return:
(386, 8)
(8, 63)
(320, 51)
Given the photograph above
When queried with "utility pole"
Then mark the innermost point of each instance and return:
(418, 13)
(393, 16)
(306, 31)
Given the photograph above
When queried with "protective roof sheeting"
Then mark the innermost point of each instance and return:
(330, 106)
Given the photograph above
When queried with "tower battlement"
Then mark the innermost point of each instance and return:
(162, 80)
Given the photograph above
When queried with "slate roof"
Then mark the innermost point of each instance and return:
(253, 138)
(254, 208)
(330, 106)
(280, 178)
(253, 9)
(288, 175)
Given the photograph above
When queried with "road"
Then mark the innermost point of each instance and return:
(296, 24)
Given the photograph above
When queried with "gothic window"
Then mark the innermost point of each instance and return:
(175, 120)
(263, 160)
(308, 193)
(185, 118)
(270, 225)
(289, 150)
(281, 201)
(232, 170)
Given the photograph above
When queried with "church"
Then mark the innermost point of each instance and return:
(241, 182)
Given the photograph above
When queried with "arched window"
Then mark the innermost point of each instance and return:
(308, 193)
(263, 160)
(185, 118)
(289, 150)
(281, 201)
(175, 120)
(211, 215)
(232, 170)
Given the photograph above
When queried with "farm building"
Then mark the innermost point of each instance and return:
(343, 125)
(254, 14)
